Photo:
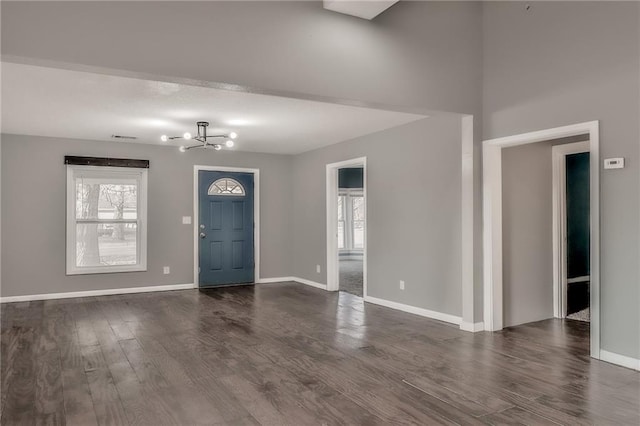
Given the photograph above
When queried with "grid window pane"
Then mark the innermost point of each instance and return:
(358, 234)
(351, 221)
(106, 198)
(358, 208)
(226, 186)
(104, 244)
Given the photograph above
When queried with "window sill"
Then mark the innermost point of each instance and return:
(106, 270)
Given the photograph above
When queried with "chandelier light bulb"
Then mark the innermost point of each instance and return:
(164, 138)
(182, 149)
(229, 143)
(187, 136)
(233, 135)
(217, 147)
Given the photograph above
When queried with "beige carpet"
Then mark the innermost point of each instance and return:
(583, 315)
(351, 276)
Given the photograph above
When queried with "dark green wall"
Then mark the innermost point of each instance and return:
(578, 215)
(351, 178)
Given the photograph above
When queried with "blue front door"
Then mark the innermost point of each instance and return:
(226, 228)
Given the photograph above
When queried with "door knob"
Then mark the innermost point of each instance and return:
(202, 235)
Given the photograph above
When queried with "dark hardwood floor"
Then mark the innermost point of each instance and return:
(286, 354)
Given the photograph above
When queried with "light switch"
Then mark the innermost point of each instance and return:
(186, 220)
(614, 163)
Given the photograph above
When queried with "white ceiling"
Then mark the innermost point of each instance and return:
(71, 104)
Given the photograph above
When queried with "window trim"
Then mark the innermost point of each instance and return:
(141, 176)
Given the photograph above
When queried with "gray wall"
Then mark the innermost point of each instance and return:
(563, 63)
(33, 213)
(413, 206)
(419, 54)
(527, 233)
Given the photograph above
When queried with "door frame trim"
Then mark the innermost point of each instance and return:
(560, 281)
(492, 220)
(333, 271)
(256, 217)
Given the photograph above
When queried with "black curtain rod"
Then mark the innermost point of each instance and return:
(106, 162)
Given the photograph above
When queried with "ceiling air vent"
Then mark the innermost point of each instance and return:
(123, 137)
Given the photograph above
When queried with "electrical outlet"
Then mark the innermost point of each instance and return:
(318, 269)
(166, 270)
(401, 285)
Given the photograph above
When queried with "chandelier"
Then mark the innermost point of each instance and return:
(206, 141)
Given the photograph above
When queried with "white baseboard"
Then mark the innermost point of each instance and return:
(309, 282)
(147, 289)
(296, 279)
(415, 310)
(274, 280)
(89, 293)
(622, 360)
(473, 327)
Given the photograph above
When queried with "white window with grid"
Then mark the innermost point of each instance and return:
(106, 219)
(351, 220)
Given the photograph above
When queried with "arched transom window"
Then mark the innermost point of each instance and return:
(226, 186)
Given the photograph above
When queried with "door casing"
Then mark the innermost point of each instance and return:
(196, 218)
(492, 220)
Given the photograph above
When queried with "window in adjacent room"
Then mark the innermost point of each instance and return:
(357, 218)
(106, 219)
(341, 221)
(351, 220)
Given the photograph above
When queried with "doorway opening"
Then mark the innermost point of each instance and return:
(571, 231)
(351, 222)
(346, 227)
(493, 238)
